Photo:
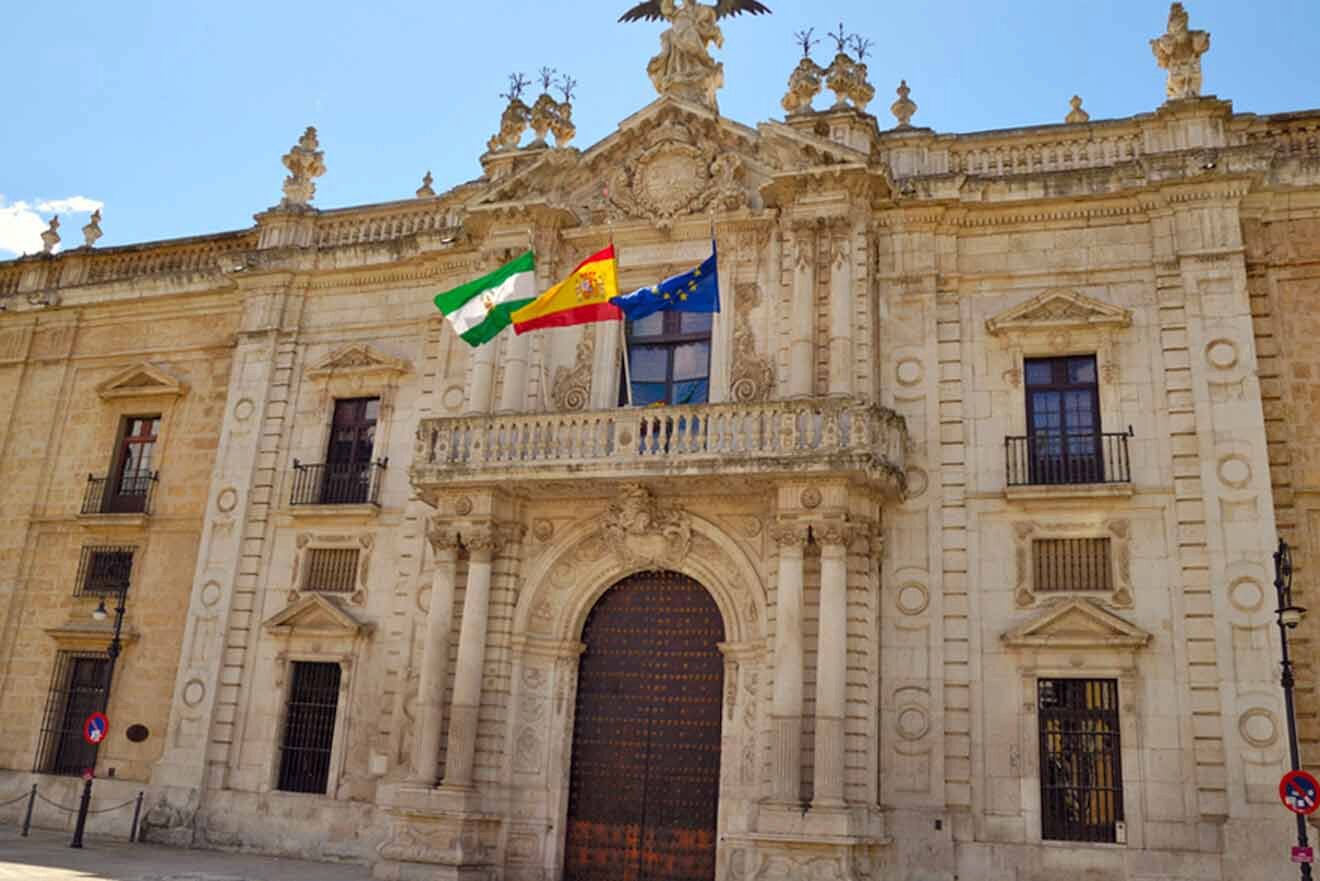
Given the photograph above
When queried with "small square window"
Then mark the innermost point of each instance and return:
(104, 570)
(1071, 564)
(331, 570)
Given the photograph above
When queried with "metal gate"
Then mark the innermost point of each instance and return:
(644, 785)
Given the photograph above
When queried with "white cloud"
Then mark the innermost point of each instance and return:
(21, 223)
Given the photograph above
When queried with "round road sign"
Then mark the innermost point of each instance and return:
(1299, 792)
(95, 727)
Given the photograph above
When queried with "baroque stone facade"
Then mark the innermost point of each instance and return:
(849, 495)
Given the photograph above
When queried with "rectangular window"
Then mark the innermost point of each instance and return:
(331, 570)
(77, 690)
(669, 359)
(104, 570)
(1067, 564)
(309, 727)
(1063, 420)
(348, 470)
(1081, 781)
(132, 472)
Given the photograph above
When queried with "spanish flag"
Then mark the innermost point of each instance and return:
(581, 298)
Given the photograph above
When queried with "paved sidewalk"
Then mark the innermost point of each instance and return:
(46, 856)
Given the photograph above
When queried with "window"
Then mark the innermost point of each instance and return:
(1063, 420)
(104, 570)
(1081, 783)
(309, 727)
(669, 358)
(348, 471)
(331, 570)
(77, 690)
(1071, 564)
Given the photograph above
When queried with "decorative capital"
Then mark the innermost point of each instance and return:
(789, 534)
(305, 163)
(1178, 50)
(442, 536)
(485, 538)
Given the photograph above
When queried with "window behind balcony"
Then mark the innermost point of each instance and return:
(669, 358)
(348, 458)
(1063, 421)
(134, 465)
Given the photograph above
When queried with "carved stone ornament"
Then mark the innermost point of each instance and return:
(672, 179)
(1056, 310)
(572, 387)
(513, 122)
(426, 191)
(804, 84)
(753, 376)
(904, 108)
(1076, 115)
(357, 359)
(643, 531)
(50, 237)
(1179, 51)
(305, 163)
(92, 231)
(846, 78)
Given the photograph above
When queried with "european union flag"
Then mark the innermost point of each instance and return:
(694, 291)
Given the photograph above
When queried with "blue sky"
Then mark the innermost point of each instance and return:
(174, 115)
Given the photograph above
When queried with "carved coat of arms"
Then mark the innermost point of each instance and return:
(644, 532)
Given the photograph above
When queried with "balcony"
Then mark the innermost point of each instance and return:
(822, 435)
(1053, 464)
(337, 484)
(130, 494)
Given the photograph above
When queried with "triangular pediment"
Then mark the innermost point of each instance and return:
(1059, 309)
(357, 359)
(1077, 624)
(141, 380)
(315, 615)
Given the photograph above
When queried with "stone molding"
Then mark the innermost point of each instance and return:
(358, 360)
(1077, 624)
(139, 381)
(316, 616)
(1058, 309)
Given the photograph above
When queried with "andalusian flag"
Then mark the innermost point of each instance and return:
(480, 309)
(581, 298)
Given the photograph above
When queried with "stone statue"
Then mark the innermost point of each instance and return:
(50, 237)
(684, 68)
(92, 231)
(305, 163)
(1179, 52)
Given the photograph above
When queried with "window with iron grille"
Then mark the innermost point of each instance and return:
(309, 727)
(1068, 564)
(331, 570)
(77, 690)
(104, 570)
(1081, 780)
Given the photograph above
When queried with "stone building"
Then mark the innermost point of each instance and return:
(944, 553)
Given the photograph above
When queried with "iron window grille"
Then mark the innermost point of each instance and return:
(331, 570)
(1071, 564)
(104, 570)
(1081, 779)
(309, 727)
(77, 690)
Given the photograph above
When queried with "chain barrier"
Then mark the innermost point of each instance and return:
(13, 801)
(33, 796)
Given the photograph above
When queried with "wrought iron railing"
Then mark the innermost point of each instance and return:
(104, 569)
(335, 484)
(1081, 777)
(77, 690)
(1071, 564)
(129, 493)
(1053, 458)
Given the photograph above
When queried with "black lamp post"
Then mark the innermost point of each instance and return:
(100, 614)
(1289, 617)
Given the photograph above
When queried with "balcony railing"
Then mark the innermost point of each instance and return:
(702, 439)
(1052, 459)
(335, 484)
(130, 493)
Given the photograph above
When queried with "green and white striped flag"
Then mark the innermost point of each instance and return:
(480, 309)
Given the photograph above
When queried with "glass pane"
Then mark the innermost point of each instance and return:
(373, 409)
(696, 322)
(651, 325)
(1081, 370)
(648, 393)
(1046, 412)
(648, 363)
(1039, 372)
(694, 392)
(691, 361)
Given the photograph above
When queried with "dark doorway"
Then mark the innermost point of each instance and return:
(644, 785)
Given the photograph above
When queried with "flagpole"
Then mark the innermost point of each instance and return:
(623, 334)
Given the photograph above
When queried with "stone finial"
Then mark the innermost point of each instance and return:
(425, 191)
(562, 125)
(846, 76)
(305, 164)
(92, 231)
(904, 108)
(1077, 114)
(513, 122)
(804, 84)
(50, 237)
(1179, 51)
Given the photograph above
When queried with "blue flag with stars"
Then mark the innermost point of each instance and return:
(694, 291)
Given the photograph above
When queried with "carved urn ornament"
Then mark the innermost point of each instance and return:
(513, 122)
(806, 80)
(50, 237)
(92, 231)
(305, 163)
(904, 108)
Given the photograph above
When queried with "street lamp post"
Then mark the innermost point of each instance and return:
(100, 614)
(1289, 616)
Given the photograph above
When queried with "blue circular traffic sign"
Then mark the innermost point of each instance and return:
(1299, 792)
(95, 727)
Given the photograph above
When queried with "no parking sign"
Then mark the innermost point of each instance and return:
(1299, 792)
(96, 726)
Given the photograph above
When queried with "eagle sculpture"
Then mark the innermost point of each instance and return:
(651, 10)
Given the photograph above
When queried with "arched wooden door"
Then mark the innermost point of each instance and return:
(644, 785)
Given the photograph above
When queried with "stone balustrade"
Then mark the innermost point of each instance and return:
(357, 227)
(170, 258)
(1055, 154)
(812, 435)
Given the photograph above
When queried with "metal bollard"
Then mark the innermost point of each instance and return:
(27, 818)
(137, 812)
(82, 813)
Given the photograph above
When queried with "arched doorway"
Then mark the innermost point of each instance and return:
(644, 783)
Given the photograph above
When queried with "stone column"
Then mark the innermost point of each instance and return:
(513, 393)
(483, 377)
(802, 314)
(435, 657)
(831, 666)
(481, 543)
(786, 708)
(841, 309)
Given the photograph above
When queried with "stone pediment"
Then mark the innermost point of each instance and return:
(1077, 624)
(1059, 309)
(316, 615)
(358, 360)
(141, 380)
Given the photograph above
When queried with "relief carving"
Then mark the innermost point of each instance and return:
(753, 375)
(572, 387)
(645, 532)
(675, 177)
